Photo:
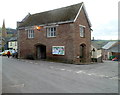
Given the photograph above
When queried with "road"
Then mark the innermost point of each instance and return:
(34, 76)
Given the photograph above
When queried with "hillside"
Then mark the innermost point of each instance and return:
(11, 32)
(101, 43)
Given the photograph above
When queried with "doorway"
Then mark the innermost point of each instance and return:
(82, 53)
(41, 51)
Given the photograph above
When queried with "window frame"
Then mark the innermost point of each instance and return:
(15, 43)
(30, 33)
(51, 31)
(11, 44)
(82, 31)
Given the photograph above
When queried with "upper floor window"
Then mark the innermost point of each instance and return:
(51, 32)
(30, 33)
(82, 31)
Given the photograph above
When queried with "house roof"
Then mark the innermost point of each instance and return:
(109, 45)
(61, 15)
(13, 39)
(116, 49)
(94, 43)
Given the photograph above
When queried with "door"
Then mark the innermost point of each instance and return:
(41, 52)
(82, 53)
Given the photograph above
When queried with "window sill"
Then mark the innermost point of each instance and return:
(29, 38)
(52, 37)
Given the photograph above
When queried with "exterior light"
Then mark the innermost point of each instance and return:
(38, 28)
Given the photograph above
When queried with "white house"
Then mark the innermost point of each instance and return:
(12, 43)
(96, 52)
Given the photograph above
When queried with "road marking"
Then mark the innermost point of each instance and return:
(31, 62)
(69, 70)
(51, 67)
(62, 69)
(80, 72)
(18, 85)
(89, 74)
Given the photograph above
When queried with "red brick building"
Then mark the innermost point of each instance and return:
(62, 34)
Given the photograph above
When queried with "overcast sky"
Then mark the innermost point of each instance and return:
(103, 14)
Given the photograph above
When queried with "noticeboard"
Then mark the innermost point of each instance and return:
(58, 50)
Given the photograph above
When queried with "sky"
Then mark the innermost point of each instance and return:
(103, 14)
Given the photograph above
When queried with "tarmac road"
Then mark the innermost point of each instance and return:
(34, 76)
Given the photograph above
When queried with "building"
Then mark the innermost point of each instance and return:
(62, 34)
(4, 36)
(96, 52)
(4, 33)
(115, 51)
(106, 49)
(12, 43)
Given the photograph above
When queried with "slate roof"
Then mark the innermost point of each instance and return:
(97, 46)
(65, 14)
(109, 45)
(13, 39)
(115, 49)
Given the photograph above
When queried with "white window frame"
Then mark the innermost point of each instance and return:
(30, 33)
(15, 43)
(10, 43)
(51, 31)
(82, 31)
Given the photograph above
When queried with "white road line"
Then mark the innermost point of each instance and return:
(62, 69)
(69, 70)
(18, 85)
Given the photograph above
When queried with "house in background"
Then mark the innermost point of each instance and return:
(106, 49)
(115, 51)
(12, 43)
(96, 52)
(62, 34)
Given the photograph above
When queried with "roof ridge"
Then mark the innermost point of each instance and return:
(58, 8)
(58, 15)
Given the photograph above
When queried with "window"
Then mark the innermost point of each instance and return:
(82, 31)
(15, 43)
(51, 32)
(30, 33)
(10, 43)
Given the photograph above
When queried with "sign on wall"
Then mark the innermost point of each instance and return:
(59, 50)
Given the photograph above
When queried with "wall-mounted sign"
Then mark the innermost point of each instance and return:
(58, 50)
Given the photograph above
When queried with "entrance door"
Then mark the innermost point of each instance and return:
(41, 52)
(82, 53)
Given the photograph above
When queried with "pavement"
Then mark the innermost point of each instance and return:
(35, 76)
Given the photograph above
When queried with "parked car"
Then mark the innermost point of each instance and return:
(115, 59)
(1, 53)
(4, 53)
